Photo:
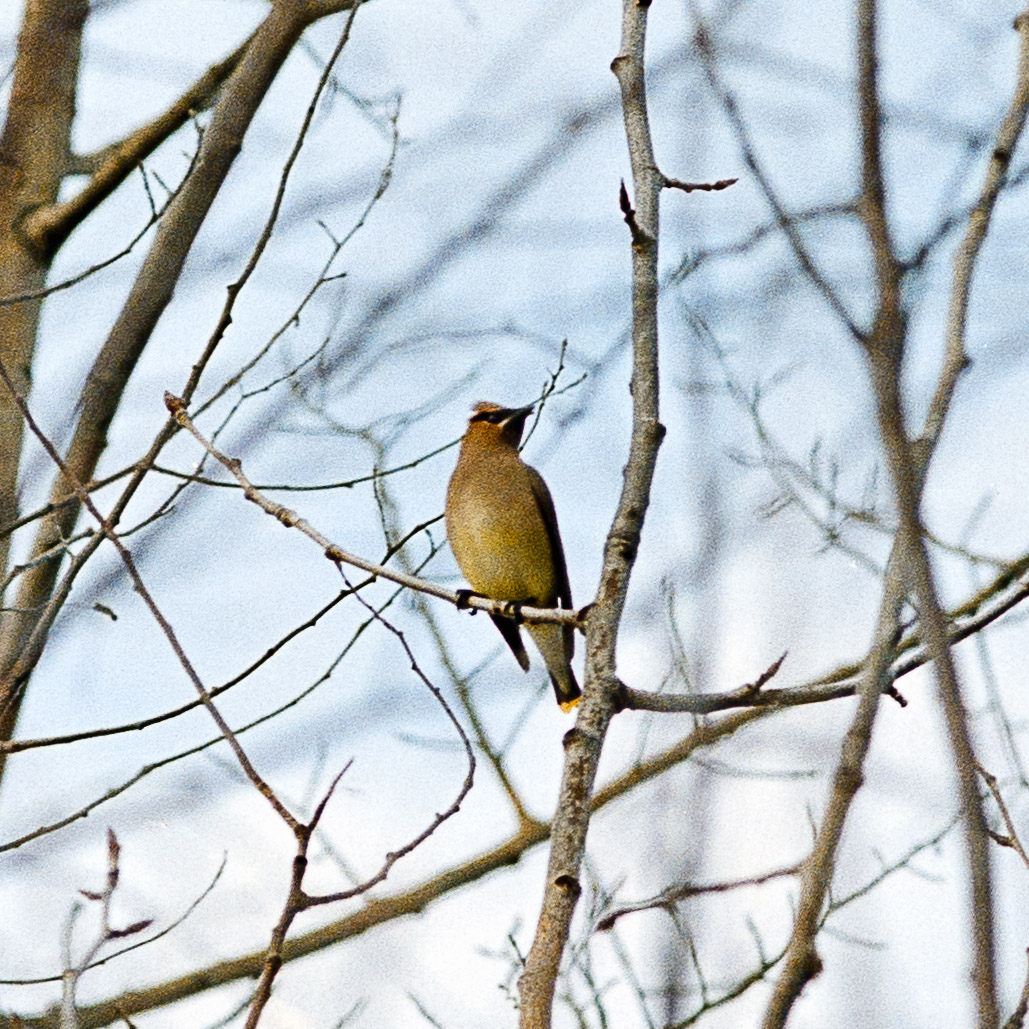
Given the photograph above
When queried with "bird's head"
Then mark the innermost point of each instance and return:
(491, 423)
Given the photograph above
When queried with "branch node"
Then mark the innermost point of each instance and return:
(568, 884)
(640, 239)
(768, 674)
(619, 696)
(287, 517)
(176, 405)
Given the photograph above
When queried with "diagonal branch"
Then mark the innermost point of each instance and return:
(25, 631)
(784, 221)
(955, 358)
(336, 554)
(909, 566)
(48, 227)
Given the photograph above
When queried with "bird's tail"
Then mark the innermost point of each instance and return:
(552, 641)
(566, 688)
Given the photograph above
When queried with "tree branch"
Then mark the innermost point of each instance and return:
(583, 744)
(34, 146)
(152, 290)
(290, 519)
(381, 910)
(48, 227)
(909, 564)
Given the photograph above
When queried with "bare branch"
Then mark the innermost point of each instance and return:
(48, 227)
(683, 891)
(154, 766)
(155, 216)
(388, 908)
(394, 856)
(104, 935)
(337, 555)
(1011, 840)
(98, 961)
(108, 531)
(34, 145)
(955, 358)
(909, 564)
(583, 744)
(1003, 594)
(26, 632)
(705, 47)
(1017, 1019)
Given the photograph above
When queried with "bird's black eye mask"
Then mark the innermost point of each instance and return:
(494, 417)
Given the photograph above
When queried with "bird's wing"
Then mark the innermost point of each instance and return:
(546, 506)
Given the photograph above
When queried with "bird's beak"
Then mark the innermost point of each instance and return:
(517, 414)
(513, 424)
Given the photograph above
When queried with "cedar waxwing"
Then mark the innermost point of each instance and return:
(503, 530)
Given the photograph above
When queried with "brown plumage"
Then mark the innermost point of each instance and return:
(503, 530)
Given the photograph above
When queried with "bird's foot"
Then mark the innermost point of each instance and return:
(513, 610)
(463, 596)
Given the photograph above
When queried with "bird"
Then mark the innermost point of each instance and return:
(502, 528)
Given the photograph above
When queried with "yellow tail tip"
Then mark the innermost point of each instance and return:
(567, 705)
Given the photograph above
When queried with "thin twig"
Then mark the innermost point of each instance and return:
(684, 891)
(96, 962)
(1011, 840)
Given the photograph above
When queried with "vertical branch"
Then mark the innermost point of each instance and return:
(907, 489)
(884, 349)
(584, 743)
(34, 148)
(801, 962)
(909, 568)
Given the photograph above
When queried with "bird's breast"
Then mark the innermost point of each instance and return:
(497, 532)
